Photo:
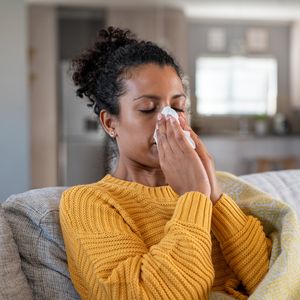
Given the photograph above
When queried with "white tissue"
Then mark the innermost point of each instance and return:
(167, 110)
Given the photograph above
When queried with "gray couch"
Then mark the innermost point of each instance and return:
(32, 257)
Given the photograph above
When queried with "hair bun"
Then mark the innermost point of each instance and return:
(113, 38)
(112, 34)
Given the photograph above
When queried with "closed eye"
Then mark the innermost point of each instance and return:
(147, 111)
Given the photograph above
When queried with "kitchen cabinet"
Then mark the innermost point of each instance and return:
(239, 154)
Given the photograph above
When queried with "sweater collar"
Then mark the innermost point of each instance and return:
(158, 192)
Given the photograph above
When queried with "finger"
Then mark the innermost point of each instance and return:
(179, 138)
(186, 127)
(173, 136)
(160, 149)
(201, 149)
(207, 160)
(161, 124)
(200, 146)
(162, 140)
(182, 115)
(183, 122)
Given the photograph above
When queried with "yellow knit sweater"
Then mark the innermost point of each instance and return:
(125, 240)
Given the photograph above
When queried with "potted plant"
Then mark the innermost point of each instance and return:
(261, 126)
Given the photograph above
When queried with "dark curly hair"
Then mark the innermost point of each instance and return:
(99, 72)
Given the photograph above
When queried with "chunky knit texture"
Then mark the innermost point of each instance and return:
(125, 240)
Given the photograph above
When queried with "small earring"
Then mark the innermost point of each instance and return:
(112, 134)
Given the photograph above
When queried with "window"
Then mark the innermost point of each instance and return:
(236, 85)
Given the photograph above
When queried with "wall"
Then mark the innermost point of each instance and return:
(43, 95)
(279, 47)
(14, 118)
(162, 25)
(78, 29)
(295, 65)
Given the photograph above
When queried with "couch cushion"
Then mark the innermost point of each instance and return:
(34, 219)
(13, 283)
(284, 185)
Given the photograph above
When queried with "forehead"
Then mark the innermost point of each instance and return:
(152, 78)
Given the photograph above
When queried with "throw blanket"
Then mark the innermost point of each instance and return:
(282, 227)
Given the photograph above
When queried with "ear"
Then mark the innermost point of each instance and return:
(109, 122)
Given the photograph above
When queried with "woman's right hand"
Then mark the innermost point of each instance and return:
(181, 165)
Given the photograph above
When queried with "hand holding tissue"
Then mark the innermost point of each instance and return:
(167, 110)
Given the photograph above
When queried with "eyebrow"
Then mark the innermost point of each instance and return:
(157, 98)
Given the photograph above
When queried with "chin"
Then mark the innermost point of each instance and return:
(152, 160)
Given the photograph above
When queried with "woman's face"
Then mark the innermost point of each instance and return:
(149, 88)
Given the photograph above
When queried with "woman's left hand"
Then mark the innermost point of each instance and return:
(206, 158)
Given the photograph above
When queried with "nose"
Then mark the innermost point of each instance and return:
(167, 110)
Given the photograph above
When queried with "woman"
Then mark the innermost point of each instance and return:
(159, 227)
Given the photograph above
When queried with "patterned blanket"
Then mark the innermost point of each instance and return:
(282, 226)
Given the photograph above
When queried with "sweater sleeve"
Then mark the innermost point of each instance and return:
(243, 242)
(108, 260)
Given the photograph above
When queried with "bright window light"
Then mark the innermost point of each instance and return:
(236, 85)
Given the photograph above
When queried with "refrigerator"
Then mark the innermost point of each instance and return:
(82, 141)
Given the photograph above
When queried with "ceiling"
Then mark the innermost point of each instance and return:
(275, 10)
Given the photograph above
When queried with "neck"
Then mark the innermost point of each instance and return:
(134, 172)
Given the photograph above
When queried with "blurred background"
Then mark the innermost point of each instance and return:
(242, 58)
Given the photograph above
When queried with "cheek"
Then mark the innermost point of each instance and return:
(137, 127)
